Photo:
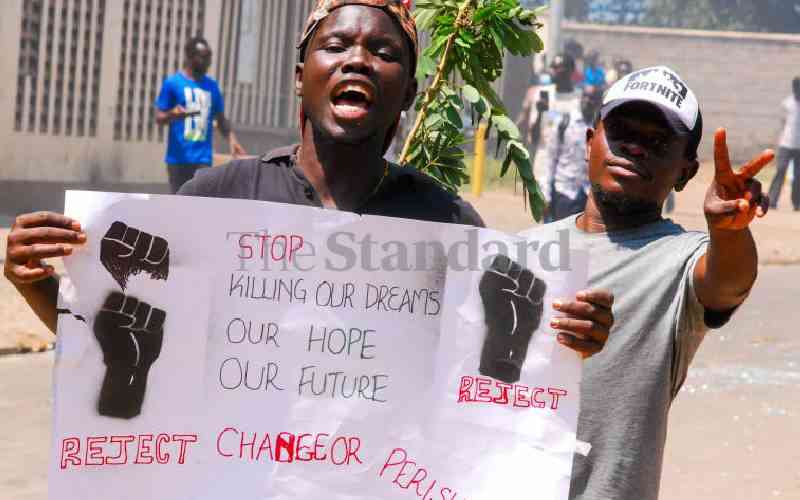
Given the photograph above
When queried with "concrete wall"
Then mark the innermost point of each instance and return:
(739, 78)
(38, 163)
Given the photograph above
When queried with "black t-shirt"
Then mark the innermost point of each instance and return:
(405, 192)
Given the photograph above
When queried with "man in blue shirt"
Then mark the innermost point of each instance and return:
(190, 101)
(593, 73)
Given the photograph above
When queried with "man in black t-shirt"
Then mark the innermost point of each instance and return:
(354, 78)
(277, 176)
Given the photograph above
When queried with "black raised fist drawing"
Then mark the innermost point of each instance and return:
(512, 301)
(126, 251)
(130, 333)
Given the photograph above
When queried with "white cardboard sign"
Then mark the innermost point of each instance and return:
(215, 348)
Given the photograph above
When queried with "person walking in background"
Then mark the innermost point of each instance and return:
(574, 49)
(594, 78)
(593, 73)
(190, 102)
(789, 149)
(562, 157)
(529, 120)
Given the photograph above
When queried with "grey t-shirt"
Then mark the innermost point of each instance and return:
(627, 389)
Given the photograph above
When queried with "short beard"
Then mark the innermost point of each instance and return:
(323, 136)
(622, 205)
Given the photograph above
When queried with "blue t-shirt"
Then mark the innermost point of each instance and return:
(190, 138)
(594, 76)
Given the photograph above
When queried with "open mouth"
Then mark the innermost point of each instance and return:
(352, 100)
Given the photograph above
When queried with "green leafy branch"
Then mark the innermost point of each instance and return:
(469, 39)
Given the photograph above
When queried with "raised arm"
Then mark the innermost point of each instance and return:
(725, 274)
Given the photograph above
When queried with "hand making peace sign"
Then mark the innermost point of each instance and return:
(735, 199)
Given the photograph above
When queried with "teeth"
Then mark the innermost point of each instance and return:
(356, 89)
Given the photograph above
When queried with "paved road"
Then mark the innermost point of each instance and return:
(25, 419)
(733, 431)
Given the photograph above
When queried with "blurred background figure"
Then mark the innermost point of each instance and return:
(594, 75)
(788, 149)
(190, 102)
(620, 67)
(594, 78)
(574, 49)
(529, 118)
(564, 115)
(555, 115)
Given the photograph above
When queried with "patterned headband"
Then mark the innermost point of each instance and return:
(396, 8)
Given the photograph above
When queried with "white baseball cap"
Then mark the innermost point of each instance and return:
(660, 86)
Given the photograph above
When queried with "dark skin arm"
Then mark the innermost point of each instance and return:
(724, 276)
(226, 130)
(42, 297)
(34, 237)
(176, 113)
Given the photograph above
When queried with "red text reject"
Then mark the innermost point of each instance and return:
(491, 391)
(142, 449)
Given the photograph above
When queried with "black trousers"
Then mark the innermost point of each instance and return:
(180, 174)
(785, 155)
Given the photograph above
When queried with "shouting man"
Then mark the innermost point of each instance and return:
(354, 78)
(671, 285)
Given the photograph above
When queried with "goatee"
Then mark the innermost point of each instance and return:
(622, 205)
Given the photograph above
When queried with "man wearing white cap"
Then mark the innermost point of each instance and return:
(670, 285)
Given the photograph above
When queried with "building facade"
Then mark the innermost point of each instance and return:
(80, 78)
(740, 78)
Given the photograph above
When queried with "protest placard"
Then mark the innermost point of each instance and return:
(216, 348)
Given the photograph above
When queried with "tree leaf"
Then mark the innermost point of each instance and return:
(504, 124)
(425, 67)
(504, 168)
(424, 17)
(471, 94)
(465, 60)
(454, 118)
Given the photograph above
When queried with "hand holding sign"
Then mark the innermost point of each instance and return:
(735, 199)
(586, 322)
(38, 236)
(328, 383)
(130, 333)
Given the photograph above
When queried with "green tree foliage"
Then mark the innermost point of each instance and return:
(469, 40)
